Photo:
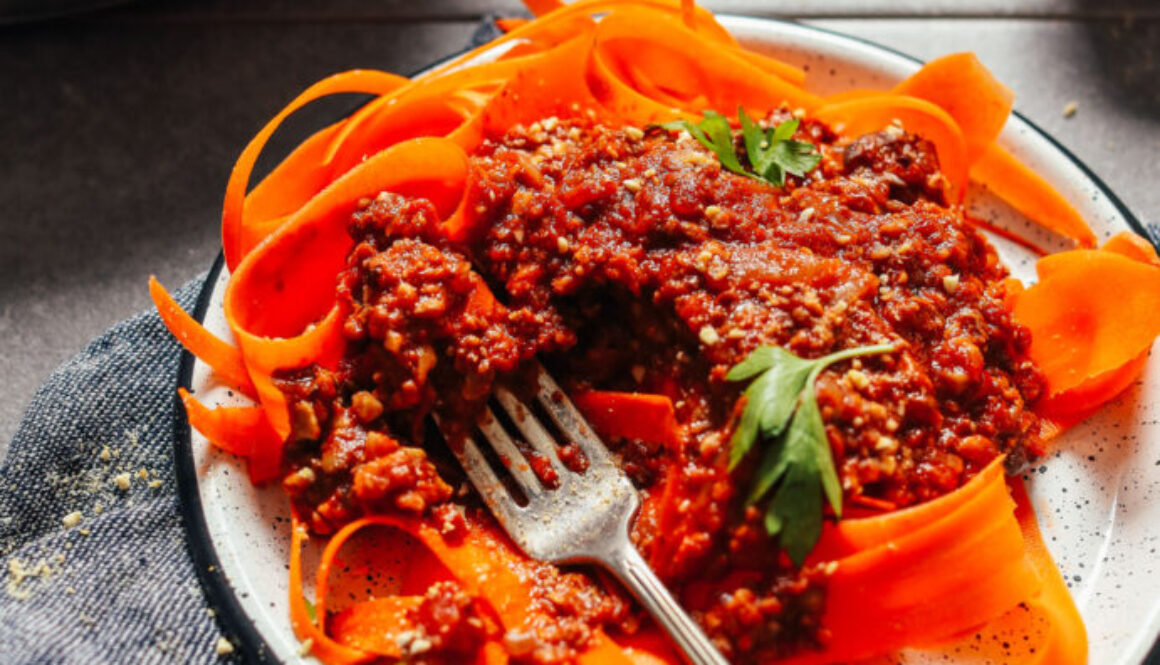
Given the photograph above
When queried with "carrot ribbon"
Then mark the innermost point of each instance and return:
(968, 92)
(238, 237)
(225, 359)
(1030, 194)
(1089, 346)
(482, 561)
(242, 431)
(913, 577)
(870, 114)
(631, 415)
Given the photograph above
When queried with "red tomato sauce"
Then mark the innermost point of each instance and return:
(627, 259)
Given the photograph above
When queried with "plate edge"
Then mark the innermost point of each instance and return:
(231, 618)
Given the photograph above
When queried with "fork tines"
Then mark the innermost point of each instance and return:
(564, 425)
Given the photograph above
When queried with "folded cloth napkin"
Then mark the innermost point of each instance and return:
(93, 549)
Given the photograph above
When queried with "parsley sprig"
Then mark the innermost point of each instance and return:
(771, 152)
(781, 410)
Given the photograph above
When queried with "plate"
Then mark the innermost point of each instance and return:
(1096, 496)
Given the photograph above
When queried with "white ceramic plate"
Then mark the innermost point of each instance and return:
(1095, 497)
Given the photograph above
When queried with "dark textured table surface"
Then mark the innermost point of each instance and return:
(118, 127)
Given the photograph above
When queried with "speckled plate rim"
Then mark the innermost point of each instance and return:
(238, 625)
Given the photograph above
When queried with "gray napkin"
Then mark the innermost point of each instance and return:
(94, 553)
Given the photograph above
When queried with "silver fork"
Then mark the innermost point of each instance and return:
(585, 519)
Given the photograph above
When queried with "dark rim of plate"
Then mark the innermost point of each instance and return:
(237, 625)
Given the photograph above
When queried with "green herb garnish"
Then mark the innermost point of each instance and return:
(781, 410)
(771, 152)
(310, 611)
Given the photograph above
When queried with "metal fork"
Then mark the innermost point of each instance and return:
(585, 519)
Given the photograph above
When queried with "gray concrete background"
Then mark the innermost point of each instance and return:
(117, 128)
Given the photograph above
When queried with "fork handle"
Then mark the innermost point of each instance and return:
(628, 565)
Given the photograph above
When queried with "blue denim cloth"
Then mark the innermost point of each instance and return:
(119, 586)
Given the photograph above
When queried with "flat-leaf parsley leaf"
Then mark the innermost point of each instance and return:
(771, 152)
(781, 411)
